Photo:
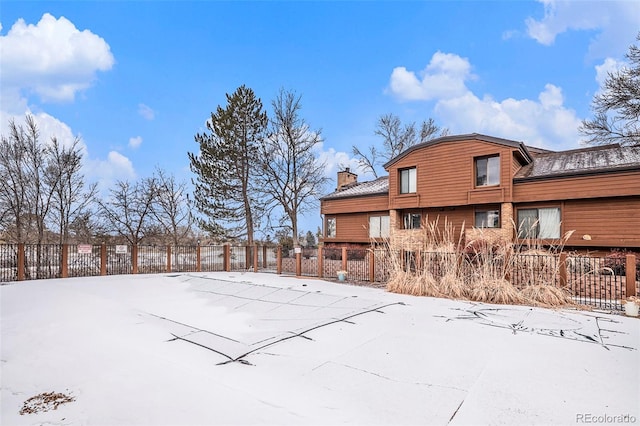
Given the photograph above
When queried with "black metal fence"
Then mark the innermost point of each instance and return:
(597, 281)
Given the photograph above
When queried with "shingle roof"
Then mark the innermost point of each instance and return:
(379, 186)
(581, 161)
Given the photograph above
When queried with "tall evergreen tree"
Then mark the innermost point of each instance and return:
(225, 191)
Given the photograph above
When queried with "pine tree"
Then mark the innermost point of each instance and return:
(225, 171)
(617, 107)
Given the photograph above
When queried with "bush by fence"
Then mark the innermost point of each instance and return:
(596, 281)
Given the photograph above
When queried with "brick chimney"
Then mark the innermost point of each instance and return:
(345, 178)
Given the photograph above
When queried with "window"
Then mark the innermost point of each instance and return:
(331, 227)
(488, 171)
(411, 220)
(487, 219)
(539, 223)
(408, 181)
(379, 227)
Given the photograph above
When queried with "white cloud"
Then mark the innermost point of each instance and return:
(617, 23)
(52, 58)
(443, 77)
(146, 112)
(544, 122)
(135, 142)
(609, 65)
(107, 172)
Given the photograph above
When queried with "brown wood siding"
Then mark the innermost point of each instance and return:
(355, 205)
(619, 184)
(445, 175)
(611, 222)
(458, 217)
(353, 227)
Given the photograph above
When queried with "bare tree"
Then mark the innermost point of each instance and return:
(171, 207)
(13, 183)
(396, 137)
(71, 198)
(617, 107)
(292, 177)
(128, 210)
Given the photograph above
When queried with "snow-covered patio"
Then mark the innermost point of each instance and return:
(234, 348)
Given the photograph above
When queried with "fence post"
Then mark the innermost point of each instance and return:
(103, 259)
(168, 268)
(64, 261)
(630, 276)
(198, 261)
(279, 260)
(20, 260)
(320, 262)
(298, 262)
(344, 258)
(255, 258)
(264, 257)
(227, 257)
(372, 265)
(247, 257)
(134, 259)
(563, 269)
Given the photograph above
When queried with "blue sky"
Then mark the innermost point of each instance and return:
(137, 79)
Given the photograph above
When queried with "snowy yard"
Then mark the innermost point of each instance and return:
(245, 348)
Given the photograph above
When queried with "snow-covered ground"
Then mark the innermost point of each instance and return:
(233, 348)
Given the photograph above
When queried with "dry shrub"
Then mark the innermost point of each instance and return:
(547, 295)
(453, 286)
(495, 291)
(400, 281)
(425, 285)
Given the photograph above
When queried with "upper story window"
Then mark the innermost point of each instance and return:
(487, 219)
(488, 171)
(411, 220)
(330, 229)
(379, 227)
(408, 181)
(539, 223)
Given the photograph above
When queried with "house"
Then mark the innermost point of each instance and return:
(502, 188)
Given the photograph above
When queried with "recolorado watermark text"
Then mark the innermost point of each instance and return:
(591, 418)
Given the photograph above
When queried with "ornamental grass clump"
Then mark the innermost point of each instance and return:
(546, 296)
(495, 290)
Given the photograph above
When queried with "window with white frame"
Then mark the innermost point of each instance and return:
(330, 229)
(411, 220)
(408, 181)
(539, 223)
(379, 227)
(488, 171)
(487, 219)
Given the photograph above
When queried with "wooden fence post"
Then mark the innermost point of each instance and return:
(265, 265)
(279, 260)
(255, 258)
(563, 269)
(630, 275)
(198, 259)
(64, 261)
(227, 257)
(344, 258)
(372, 265)
(103, 259)
(20, 260)
(134, 259)
(298, 262)
(320, 262)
